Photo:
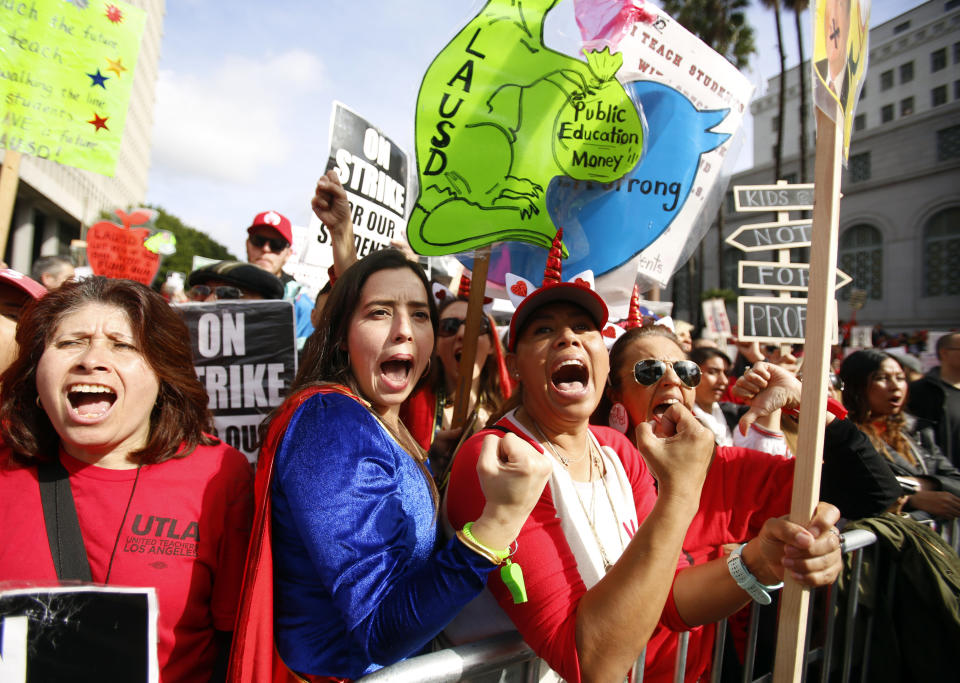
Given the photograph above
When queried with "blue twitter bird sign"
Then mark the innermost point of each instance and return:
(645, 224)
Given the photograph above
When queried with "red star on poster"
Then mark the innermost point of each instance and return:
(99, 122)
(114, 14)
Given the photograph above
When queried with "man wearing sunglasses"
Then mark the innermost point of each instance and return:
(268, 247)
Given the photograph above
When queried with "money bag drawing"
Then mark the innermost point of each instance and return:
(499, 115)
(607, 224)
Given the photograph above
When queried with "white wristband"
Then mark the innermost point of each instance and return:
(746, 580)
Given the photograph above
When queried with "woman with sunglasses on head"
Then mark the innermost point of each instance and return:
(600, 551)
(428, 414)
(345, 574)
(744, 488)
(875, 392)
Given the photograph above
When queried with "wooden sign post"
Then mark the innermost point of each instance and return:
(9, 179)
(795, 602)
(468, 354)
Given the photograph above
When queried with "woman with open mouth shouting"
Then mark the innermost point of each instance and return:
(103, 401)
(346, 509)
(875, 393)
(601, 549)
(428, 413)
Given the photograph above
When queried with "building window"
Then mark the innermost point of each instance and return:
(956, 53)
(906, 72)
(951, 4)
(859, 121)
(948, 143)
(859, 167)
(906, 106)
(886, 113)
(938, 96)
(886, 80)
(861, 257)
(900, 28)
(941, 254)
(863, 90)
(956, 90)
(774, 122)
(731, 272)
(938, 59)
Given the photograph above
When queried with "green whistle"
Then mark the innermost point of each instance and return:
(512, 576)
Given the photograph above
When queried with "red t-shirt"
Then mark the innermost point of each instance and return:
(743, 489)
(547, 620)
(185, 534)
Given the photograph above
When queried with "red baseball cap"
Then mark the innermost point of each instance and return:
(275, 220)
(18, 280)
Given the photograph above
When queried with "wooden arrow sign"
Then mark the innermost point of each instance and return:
(782, 277)
(773, 197)
(766, 236)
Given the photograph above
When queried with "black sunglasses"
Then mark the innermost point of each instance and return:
(648, 372)
(449, 326)
(277, 244)
(201, 292)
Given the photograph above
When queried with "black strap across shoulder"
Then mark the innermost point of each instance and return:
(63, 526)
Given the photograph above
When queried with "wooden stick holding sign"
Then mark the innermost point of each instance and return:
(9, 179)
(468, 354)
(795, 602)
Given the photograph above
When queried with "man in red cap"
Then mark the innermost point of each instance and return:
(268, 246)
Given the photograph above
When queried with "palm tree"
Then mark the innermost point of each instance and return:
(798, 7)
(721, 24)
(782, 102)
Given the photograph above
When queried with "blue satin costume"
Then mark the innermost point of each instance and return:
(359, 581)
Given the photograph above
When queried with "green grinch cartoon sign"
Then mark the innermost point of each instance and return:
(499, 115)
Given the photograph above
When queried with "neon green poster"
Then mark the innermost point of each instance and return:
(66, 73)
(499, 115)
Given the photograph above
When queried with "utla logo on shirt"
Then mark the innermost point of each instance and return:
(155, 535)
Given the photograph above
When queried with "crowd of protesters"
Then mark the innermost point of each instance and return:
(622, 495)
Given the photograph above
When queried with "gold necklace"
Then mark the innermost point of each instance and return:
(565, 461)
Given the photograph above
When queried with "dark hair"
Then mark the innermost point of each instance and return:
(180, 415)
(325, 357)
(856, 371)
(620, 346)
(490, 392)
(942, 342)
(702, 354)
(601, 415)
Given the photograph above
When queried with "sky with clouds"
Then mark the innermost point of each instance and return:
(245, 89)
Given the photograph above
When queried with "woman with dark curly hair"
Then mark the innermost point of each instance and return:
(103, 398)
(875, 392)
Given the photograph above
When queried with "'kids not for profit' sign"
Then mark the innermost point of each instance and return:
(245, 355)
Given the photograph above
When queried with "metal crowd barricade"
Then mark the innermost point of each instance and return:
(507, 659)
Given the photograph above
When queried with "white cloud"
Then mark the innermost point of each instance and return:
(229, 122)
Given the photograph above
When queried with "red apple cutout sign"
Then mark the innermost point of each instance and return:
(117, 250)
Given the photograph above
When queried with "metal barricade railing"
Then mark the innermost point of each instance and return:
(507, 658)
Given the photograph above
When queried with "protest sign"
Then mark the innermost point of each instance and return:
(66, 74)
(789, 277)
(84, 634)
(839, 65)
(716, 319)
(374, 172)
(499, 115)
(245, 355)
(119, 251)
(648, 222)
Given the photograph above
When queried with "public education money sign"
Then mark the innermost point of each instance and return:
(245, 355)
(66, 74)
(499, 115)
